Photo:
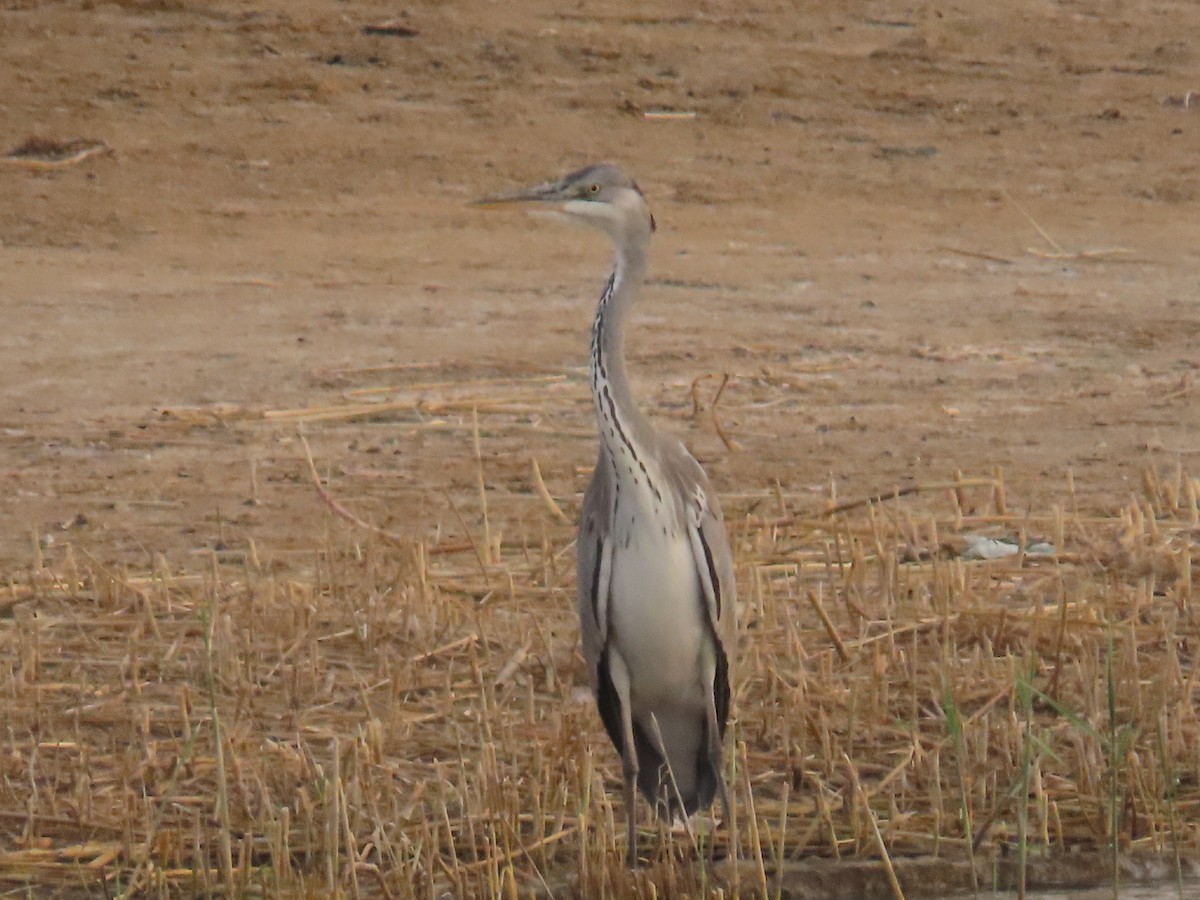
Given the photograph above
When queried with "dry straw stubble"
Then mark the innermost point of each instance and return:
(403, 722)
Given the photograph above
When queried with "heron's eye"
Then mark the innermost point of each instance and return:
(593, 189)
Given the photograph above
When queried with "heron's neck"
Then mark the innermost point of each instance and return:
(623, 428)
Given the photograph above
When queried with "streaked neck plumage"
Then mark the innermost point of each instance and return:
(617, 414)
(618, 418)
(629, 443)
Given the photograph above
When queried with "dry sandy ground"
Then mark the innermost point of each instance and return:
(846, 229)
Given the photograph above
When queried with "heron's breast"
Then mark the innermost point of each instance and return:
(657, 617)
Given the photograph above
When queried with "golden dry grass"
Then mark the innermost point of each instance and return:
(408, 719)
(411, 721)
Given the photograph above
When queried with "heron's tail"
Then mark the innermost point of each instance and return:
(686, 774)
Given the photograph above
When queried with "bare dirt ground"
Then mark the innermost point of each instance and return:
(841, 232)
(920, 239)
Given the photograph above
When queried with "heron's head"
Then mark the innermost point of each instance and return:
(601, 196)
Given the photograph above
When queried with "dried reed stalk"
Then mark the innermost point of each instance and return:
(393, 723)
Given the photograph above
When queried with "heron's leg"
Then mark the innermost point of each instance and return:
(619, 674)
(631, 773)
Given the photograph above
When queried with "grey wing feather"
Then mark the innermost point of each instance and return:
(702, 512)
(593, 554)
(712, 530)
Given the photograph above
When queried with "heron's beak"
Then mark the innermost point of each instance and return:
(549, 192)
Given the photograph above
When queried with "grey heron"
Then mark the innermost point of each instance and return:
(655, 575)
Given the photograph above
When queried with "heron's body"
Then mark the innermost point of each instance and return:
(655, 573)
(647, 637)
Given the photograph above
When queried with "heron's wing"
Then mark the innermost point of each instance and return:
(710, 547)
(593, 555)
(714, 566)
(714, 561)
